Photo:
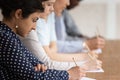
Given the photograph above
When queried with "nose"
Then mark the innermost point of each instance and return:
(34, 27)
(52, 8)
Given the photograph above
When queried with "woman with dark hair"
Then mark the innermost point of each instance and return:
(16, 62)
(70, 39)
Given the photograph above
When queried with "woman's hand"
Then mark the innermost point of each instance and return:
(40, 67)
(76, 73)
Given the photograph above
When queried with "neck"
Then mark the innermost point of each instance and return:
(10, 24)
(57, 13)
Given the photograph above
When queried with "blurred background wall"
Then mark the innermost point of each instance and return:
(101, 14)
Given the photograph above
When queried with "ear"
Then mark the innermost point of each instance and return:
(43, 4)
(18, 13)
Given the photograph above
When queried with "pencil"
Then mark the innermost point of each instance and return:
(90, 56)
(87, 47)
(97, 32)
(89, 52)
(74, 61)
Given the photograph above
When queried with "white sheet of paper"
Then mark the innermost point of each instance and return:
(82, 62)
(97, 70)
(86, 78)
(98, 51)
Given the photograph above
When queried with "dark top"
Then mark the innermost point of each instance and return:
(71, 28)
(17, 63)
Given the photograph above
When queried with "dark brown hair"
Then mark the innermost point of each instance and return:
(27, 6)
(73, 3)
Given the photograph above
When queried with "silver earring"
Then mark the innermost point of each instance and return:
(16, 26)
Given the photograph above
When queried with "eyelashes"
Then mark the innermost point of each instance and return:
(35, 20)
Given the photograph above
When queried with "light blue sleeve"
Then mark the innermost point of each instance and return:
(52, 33)
(42, 32)
(70, 46)
(51, 20)
(60, 28)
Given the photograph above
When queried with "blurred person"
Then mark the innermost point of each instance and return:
(68, 35)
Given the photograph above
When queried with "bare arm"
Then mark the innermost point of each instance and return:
(79, 57)
(52, 53)
(53, 46)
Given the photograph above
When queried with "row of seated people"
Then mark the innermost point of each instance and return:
(28, 42)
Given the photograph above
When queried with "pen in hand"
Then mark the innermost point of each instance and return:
(74, 61)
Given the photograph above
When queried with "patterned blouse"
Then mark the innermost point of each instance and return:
(17, 63)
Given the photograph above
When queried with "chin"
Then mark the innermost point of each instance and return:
(24, 35)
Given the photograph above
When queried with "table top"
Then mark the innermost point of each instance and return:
(111, 62)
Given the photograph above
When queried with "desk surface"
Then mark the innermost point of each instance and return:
(111, 62)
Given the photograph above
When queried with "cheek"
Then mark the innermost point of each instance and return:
(25, 27)
(24, 30)
(47, 10)
(32, 27)
(29, 27)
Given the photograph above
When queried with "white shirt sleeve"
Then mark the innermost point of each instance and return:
(32, 43)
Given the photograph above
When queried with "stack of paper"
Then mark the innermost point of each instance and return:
(97, 70)
(98, 51)
(86, 78)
